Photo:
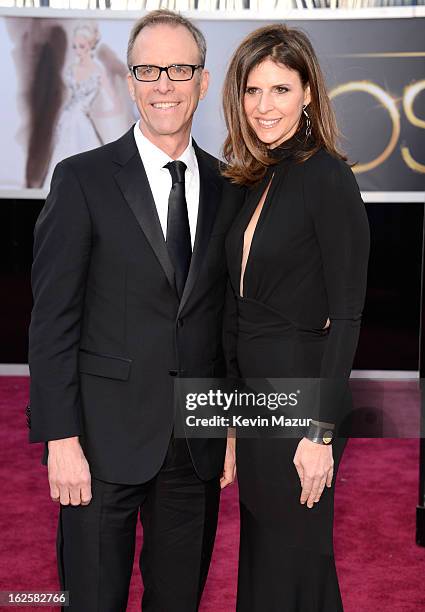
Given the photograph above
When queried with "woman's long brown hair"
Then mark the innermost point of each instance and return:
(246, 155)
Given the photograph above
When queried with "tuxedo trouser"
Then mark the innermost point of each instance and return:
(96, 543)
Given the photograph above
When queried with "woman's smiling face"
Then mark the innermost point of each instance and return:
(273, 101)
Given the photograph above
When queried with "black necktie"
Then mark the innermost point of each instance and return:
(178, 231)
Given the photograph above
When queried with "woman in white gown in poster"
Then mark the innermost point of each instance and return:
(93, 112)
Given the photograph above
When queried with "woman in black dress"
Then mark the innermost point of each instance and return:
(297, 257)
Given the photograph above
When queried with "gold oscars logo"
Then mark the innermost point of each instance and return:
(386, 101)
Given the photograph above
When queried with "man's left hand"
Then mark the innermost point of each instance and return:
(229, 470)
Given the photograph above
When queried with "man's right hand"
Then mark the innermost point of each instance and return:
(69, 472)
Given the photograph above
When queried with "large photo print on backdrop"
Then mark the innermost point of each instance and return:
(65, 92)
(69, 94)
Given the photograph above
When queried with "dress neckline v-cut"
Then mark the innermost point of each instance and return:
(247, 248)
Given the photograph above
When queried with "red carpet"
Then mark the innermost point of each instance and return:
(379, 565)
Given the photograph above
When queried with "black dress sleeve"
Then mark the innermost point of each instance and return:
(234, 196)
(230, 331)
(333, 198)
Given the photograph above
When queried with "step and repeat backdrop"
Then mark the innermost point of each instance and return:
(375, 71)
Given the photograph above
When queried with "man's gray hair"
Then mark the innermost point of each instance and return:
(164, 16)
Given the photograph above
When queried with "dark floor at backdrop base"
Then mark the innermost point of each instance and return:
(379, 565)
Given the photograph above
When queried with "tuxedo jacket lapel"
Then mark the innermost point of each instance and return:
(134, 185)
(209, 196)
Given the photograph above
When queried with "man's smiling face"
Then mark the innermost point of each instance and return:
(166, 107)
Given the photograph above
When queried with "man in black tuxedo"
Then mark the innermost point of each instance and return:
(129, 283)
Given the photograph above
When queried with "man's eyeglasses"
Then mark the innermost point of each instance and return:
(175, 72)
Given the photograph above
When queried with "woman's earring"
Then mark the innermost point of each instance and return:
(308, 122)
